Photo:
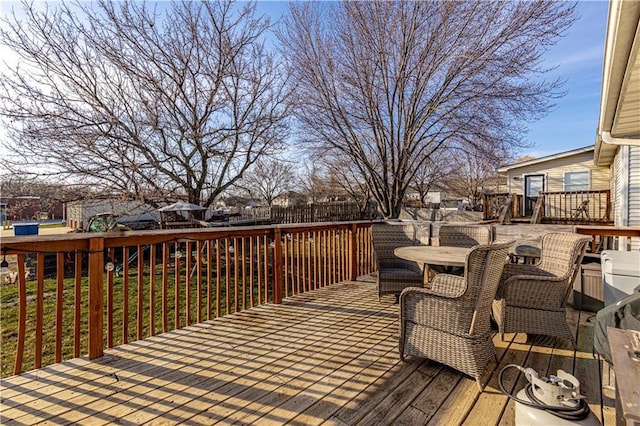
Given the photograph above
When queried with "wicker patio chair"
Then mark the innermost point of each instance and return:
(452, 235)
(532, 298)
(394, 274)
(449, 321)
(465, 235)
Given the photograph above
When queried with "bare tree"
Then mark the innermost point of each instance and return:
(352, 183)
(473, 171)
(137, 101)
(387, 84)
(434, 173)
(313, 181)
(20, 185)
(47, 196)
(524, 158)
(268, 180)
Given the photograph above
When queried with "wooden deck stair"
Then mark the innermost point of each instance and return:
(325, 357)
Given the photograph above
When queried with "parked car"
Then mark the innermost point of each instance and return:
(106, 222)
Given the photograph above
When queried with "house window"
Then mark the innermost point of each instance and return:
(576, 181)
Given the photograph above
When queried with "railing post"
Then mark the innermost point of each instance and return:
(96, 291)
(485, 206)
(353, 270)
(277, 266)
(22, 314)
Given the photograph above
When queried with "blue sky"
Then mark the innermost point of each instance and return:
(577, 58)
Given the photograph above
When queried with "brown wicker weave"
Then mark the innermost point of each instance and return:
(395, 274)
(532, 298)
(465, 235)
(454, 235)
(449, 322)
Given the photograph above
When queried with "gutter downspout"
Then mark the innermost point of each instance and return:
(610, 140)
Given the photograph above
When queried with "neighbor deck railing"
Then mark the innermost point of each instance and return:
(592, 206)
(494, 202)
(577, 206)
(81, 293)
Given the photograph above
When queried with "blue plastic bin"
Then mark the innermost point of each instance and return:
(25, 229)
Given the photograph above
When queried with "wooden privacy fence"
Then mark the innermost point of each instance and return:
(79, 293)
(324, 212)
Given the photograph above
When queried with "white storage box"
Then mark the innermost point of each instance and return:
(620, 274)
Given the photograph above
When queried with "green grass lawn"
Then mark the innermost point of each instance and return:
(9, 313)
(9, 306)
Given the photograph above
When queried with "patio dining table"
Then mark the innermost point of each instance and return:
(456, 256)
(434, 255)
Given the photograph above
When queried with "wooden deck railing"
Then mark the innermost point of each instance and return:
(609, 237)
(79, 293)
(577, 206)
(494, 203)
(588, 207)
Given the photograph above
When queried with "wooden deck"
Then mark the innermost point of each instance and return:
(325, 357)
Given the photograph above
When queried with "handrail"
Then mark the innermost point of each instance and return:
(502, 206)
(585, 191)
(606, 231)
(167, 279)
(587, 206)
(578, 206)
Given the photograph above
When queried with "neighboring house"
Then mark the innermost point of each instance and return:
(29, 207)
(290, 199)
(569, 171)
(432, 197)
(613, 163)
(618, 139)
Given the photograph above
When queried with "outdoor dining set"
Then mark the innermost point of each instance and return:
(449, 293)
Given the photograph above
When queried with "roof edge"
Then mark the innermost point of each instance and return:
(507, 167)
(623, 28)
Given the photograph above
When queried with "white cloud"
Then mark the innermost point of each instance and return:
(589, 57)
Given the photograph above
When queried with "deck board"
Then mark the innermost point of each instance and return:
(326, 357)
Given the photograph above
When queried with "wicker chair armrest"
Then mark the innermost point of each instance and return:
(421, 306)
(511, 269)
(531, 291)
(450, 286)
(517, 269)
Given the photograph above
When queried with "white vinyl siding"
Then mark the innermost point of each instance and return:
(576, 181)
(617, 190)
(626, 189)
(634, 192)
(554, 171)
